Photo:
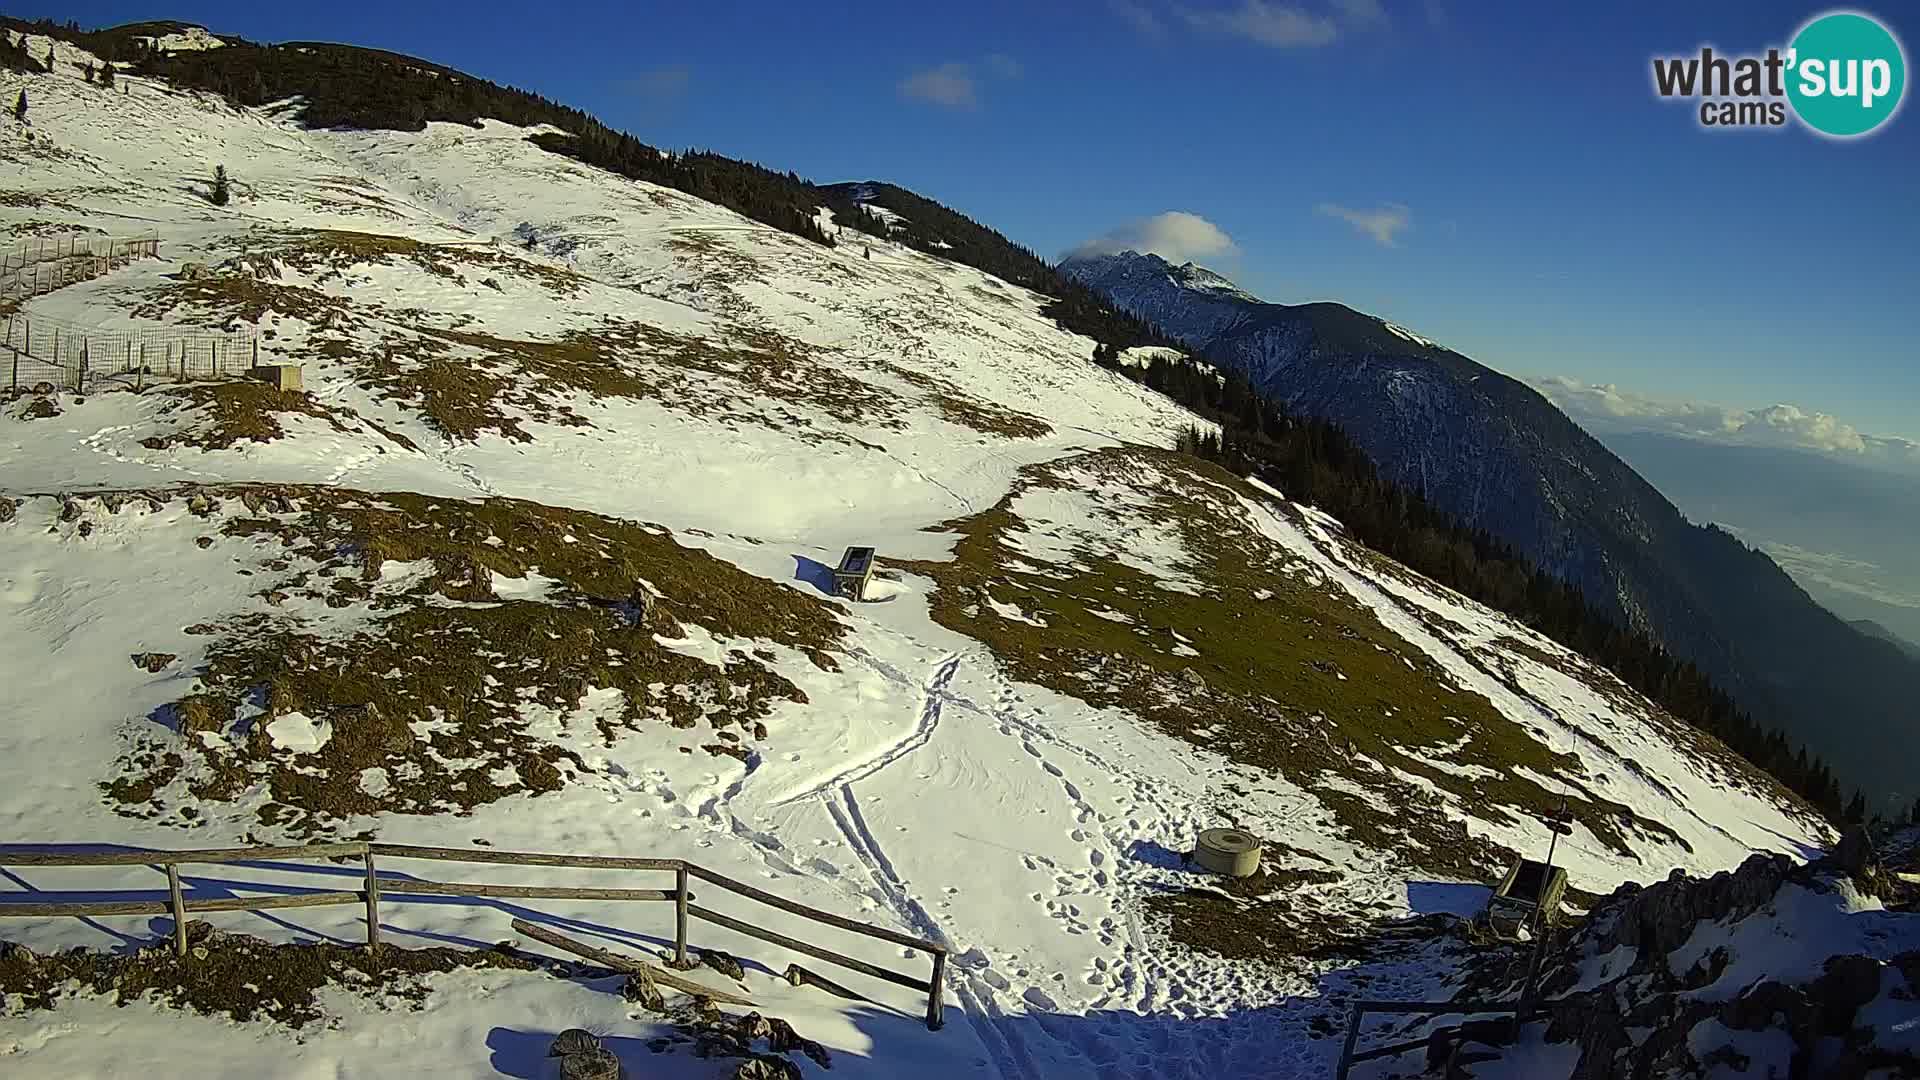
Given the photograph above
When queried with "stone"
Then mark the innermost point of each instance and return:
(1848, 983)
(86, 528)
(724, 963)
(641, 990)
(1854, 853)
(7, 510)
(753, 1027)
(202, 505)
(154, 662)
(574, 1041)
(598, 1064)
(69, 510)
(767, 1068)
(781, 1038)
(1658, 919)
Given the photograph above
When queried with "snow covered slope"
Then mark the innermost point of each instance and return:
(406, 603)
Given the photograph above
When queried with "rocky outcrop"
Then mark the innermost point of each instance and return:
(1660, 918)
(1642, 995)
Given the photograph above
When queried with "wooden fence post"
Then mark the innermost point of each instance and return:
(373, 907)
(179, 910)
(680, 916)
(936, 1002)
(1353, 1037)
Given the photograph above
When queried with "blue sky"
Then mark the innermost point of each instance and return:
(1559, 220)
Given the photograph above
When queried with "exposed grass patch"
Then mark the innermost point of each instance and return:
(467, 382)
(327, 254)
(231, 301)
(1268, 665)
(1255, 920)
(236, 975)
(957, 407)
(246, 410)
(458, 697)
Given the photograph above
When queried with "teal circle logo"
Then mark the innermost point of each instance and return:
(1846, 74)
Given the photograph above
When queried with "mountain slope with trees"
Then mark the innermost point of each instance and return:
(1501, 459)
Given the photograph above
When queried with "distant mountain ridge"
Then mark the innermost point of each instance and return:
(1874, 629)
(1496, 453)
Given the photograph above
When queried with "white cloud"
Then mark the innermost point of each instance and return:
(1175, 236)
(954, 85)
(1606, 406)
(1279, 26)
(1139, 16)
(950, 85)
(1384, 223)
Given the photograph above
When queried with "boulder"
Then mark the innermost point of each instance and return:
(592, 1065)
(781, 1039)
(574, 1041)
(641, 990)
(1854, 853)
(7, 509)
(767, 1068)
(1658, 919)
(724, 963)
(1848, 983)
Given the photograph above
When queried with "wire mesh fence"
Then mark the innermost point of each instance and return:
(81, 358)
(38, 265)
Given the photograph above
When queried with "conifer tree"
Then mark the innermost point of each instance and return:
(20, 114)
(89, 70)
(106, 76)
(220, 192)
(49, 57)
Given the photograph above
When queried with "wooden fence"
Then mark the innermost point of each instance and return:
(1517, 1014)
(373, 887)
(79, 358)
(42, 264)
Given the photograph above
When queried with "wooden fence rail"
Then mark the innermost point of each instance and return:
(1357, 1010)
(374, 888)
